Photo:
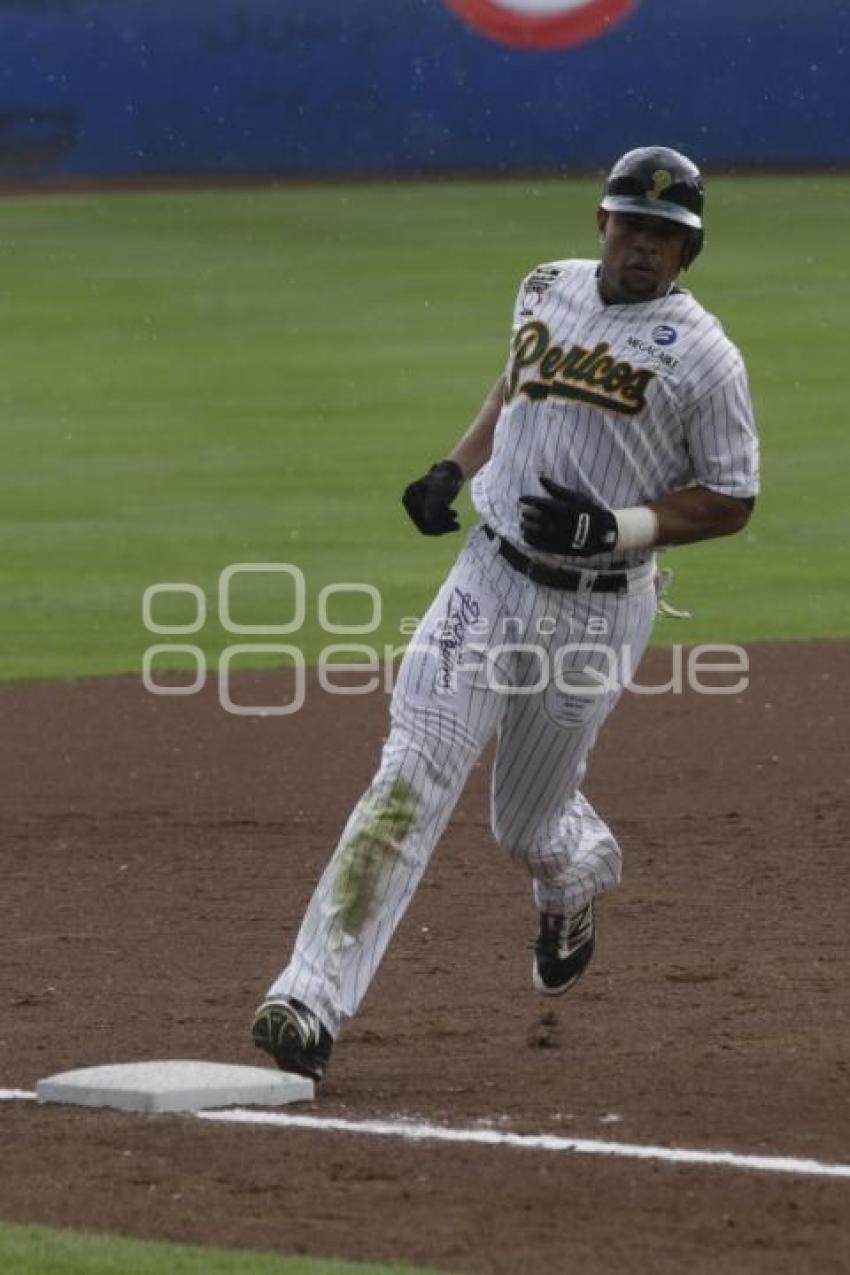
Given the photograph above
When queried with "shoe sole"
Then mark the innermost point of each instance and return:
(540, 986)
(286, 1049)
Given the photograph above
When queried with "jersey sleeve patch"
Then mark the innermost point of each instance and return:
(534, 289)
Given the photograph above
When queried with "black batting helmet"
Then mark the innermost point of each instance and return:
(659, 182)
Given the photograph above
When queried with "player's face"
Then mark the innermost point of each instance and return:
(641, 255)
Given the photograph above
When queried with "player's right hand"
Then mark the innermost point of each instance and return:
(427, 500)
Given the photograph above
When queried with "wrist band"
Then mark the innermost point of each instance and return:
(637, 528)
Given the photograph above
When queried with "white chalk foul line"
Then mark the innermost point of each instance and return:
(524, 1141)
(532, 1142)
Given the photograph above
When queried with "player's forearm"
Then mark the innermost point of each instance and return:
(696, 513)
(476, 446)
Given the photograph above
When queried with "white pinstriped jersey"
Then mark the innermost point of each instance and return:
(623, 402)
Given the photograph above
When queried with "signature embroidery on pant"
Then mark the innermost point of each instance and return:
(462, 610)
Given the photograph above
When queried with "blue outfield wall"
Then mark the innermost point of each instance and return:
(121, 87)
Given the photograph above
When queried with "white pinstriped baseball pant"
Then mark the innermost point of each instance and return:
(494, 655)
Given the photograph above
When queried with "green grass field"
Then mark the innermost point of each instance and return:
(190, 380)
(33, 1250)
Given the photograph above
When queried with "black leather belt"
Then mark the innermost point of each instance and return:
(555, 577)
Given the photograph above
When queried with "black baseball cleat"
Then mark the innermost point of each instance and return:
(294, 1036)
(563, 950)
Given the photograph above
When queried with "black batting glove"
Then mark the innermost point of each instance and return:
(565, 522)
(427, 500)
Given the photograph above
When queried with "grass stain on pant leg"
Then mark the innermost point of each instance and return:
(383, 822)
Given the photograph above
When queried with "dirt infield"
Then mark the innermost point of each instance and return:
(156, 857)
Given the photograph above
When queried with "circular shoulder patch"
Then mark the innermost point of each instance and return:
(664, 334)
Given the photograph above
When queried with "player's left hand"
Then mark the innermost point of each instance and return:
(566, 522)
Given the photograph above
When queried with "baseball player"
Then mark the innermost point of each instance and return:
(622, 422)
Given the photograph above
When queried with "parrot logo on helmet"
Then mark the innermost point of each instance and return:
(661, 179)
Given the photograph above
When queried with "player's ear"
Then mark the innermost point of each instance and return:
(687, 252)
(601, 222)
(691, 247)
